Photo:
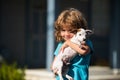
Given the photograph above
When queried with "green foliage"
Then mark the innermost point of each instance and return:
(11, 72)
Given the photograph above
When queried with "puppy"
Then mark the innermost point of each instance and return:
(62, 60)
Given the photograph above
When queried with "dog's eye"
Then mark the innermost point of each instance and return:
(79, 34)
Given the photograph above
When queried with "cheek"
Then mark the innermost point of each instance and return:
(61, 33)
(72, 34)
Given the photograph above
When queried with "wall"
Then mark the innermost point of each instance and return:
(12, 30)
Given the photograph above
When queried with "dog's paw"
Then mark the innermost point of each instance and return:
(69, 77)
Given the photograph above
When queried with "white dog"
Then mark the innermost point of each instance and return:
(63, 59)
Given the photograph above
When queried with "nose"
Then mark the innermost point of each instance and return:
(84, 39)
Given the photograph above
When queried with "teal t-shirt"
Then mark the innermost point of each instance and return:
(78, 68)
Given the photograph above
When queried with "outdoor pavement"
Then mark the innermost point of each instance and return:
(96, 73)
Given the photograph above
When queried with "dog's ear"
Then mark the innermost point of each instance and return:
(89, 32)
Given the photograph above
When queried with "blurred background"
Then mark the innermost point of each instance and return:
(27, 26)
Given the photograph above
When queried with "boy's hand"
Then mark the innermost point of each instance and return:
(84, 46)
(65, 45)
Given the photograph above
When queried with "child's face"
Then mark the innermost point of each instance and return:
(66, 34)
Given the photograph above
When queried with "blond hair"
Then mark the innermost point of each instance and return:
(74, 20)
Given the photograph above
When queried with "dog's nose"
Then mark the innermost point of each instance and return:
(84, 39)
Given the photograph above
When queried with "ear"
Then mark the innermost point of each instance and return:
(89, 32)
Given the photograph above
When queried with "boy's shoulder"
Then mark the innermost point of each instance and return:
(58, 48)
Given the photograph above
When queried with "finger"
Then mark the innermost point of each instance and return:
(83, 42)
(83, 47)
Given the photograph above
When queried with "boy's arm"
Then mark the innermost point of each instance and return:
(84, 49)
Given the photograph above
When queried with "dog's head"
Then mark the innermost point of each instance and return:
(82, 34)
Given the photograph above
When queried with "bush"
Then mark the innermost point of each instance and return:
(11, 72)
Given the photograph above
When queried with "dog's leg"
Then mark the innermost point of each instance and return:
(60, 71)
(69, 77)
(60, 75)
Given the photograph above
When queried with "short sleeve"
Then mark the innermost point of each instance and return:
(58, 48)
